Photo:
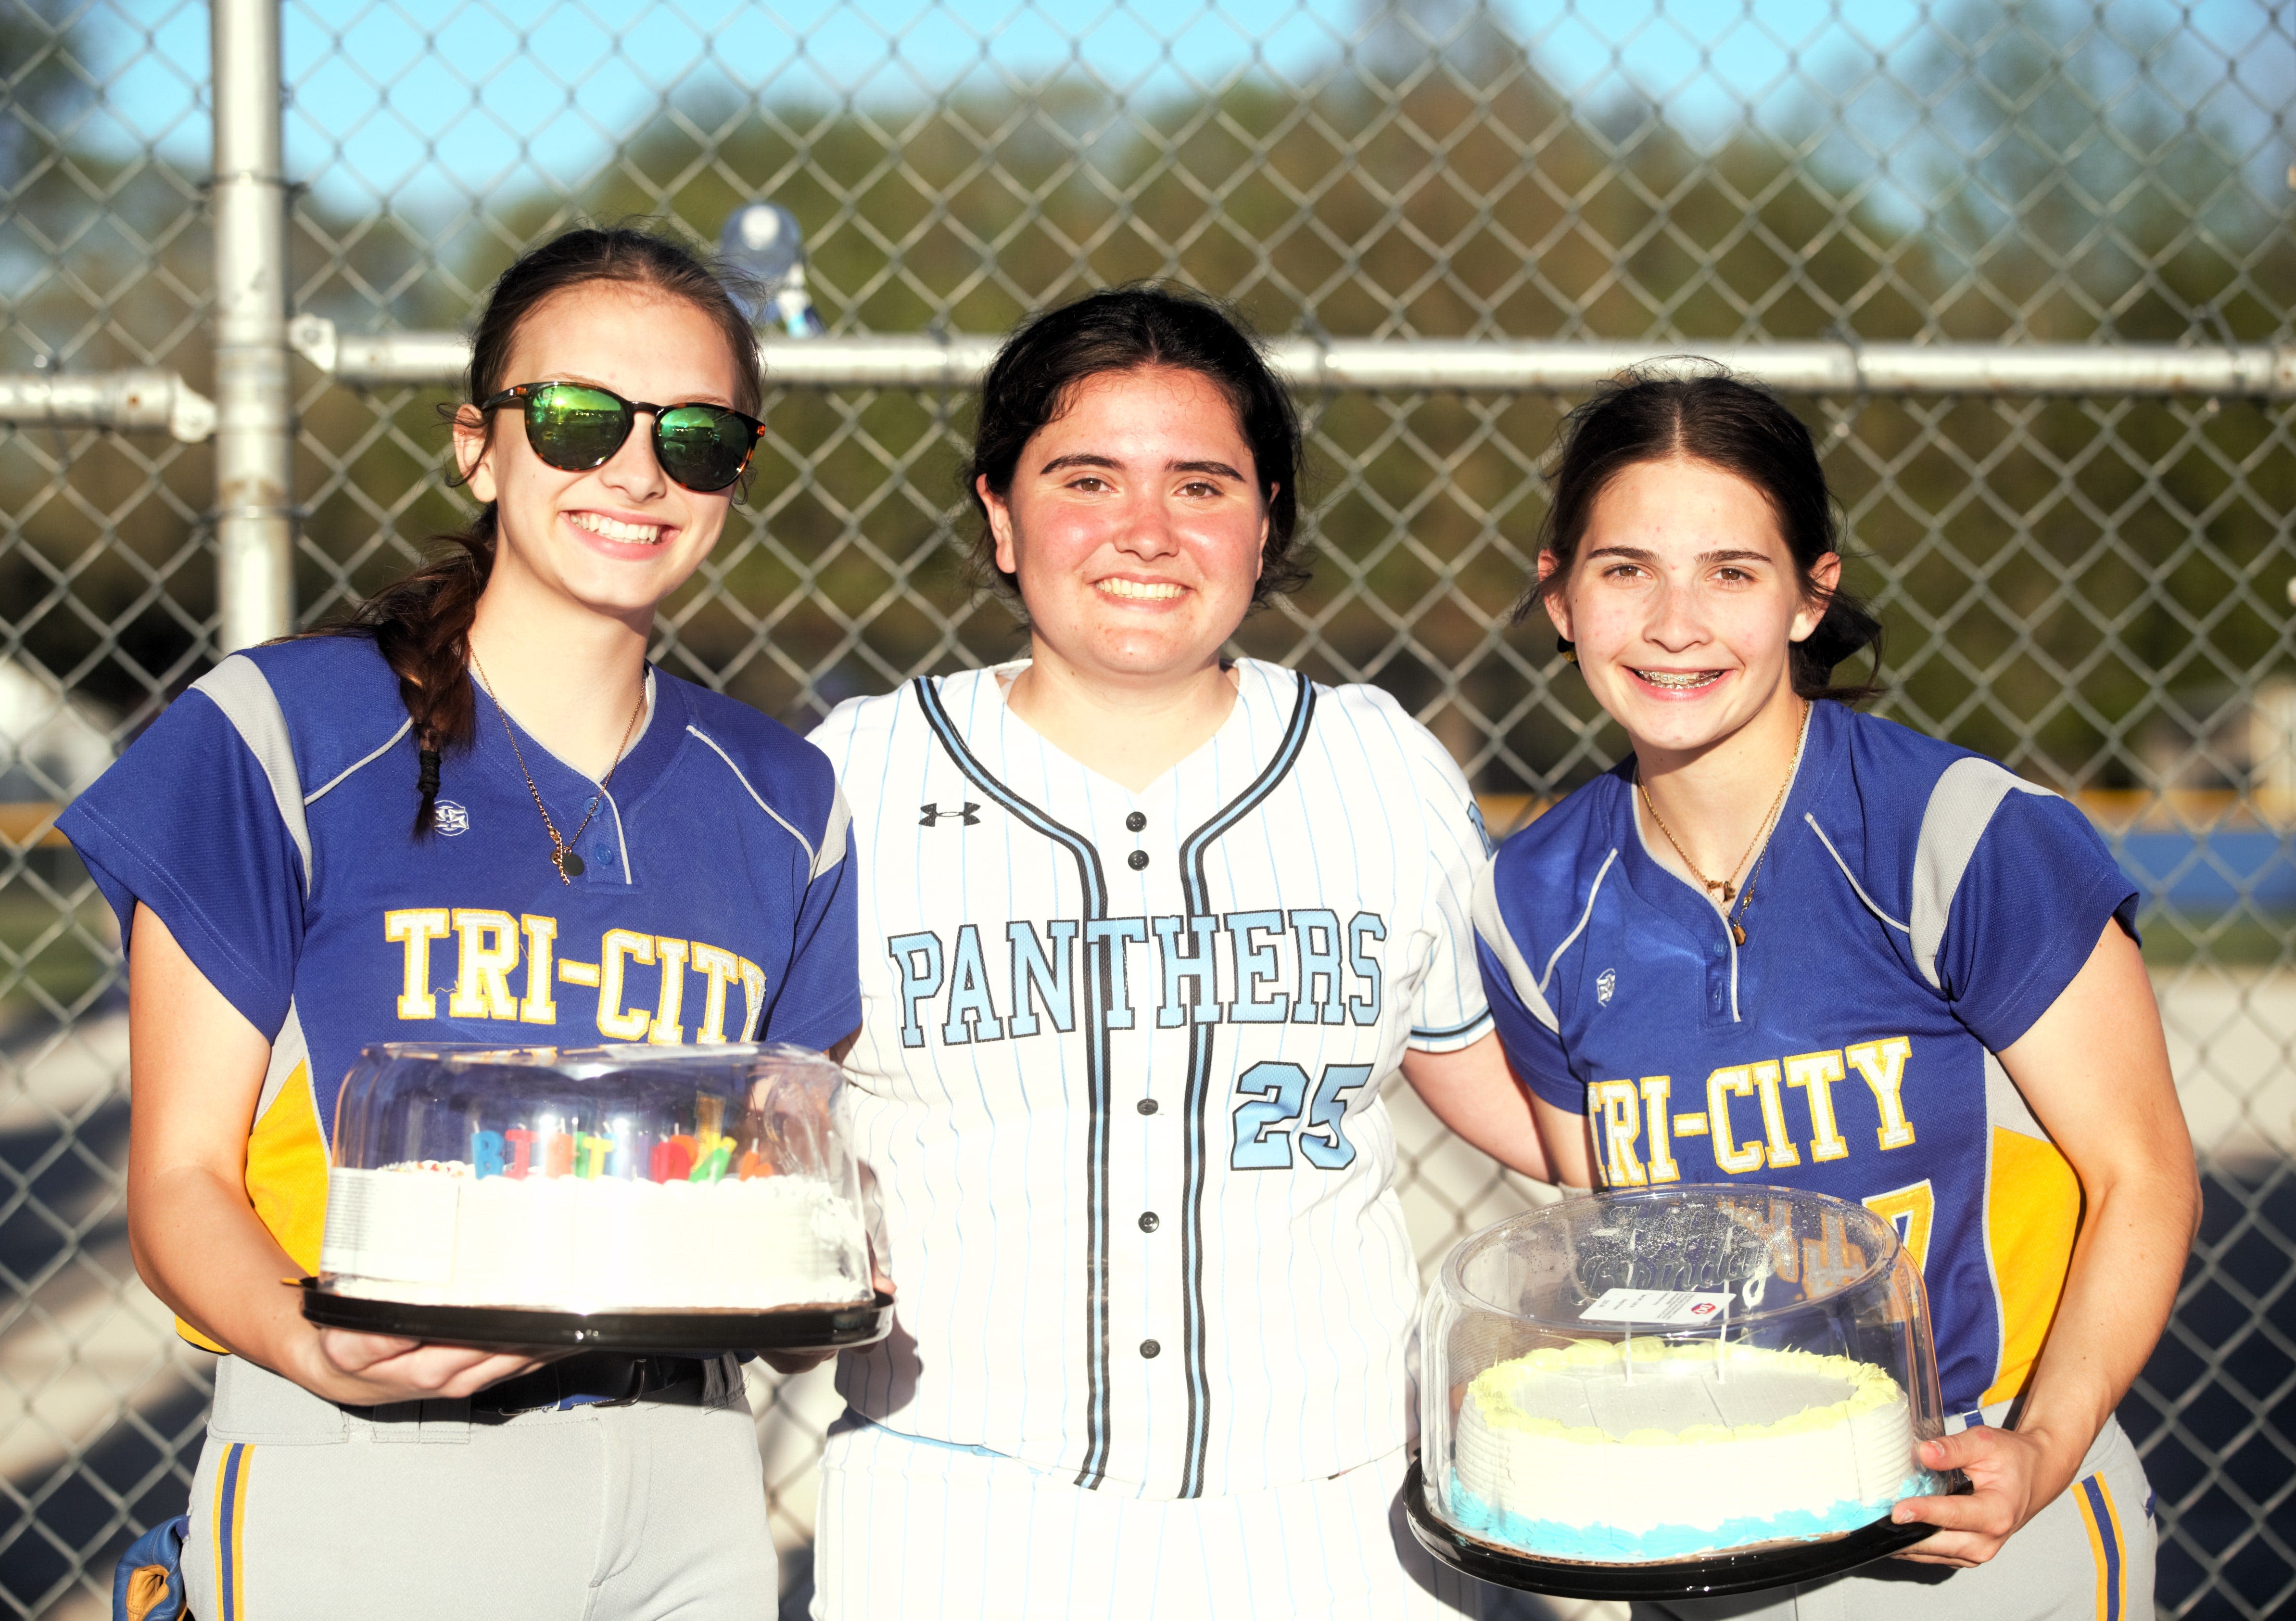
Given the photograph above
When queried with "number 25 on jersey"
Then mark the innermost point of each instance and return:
(1271, 1116)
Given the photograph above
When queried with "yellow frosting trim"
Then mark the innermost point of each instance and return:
(1492, 1392)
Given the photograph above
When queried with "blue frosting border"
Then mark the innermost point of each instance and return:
(1598, 1544)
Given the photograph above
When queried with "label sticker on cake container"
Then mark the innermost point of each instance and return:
(1655, 1305)
(396, 1225)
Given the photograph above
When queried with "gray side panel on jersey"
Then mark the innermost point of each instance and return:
(288, 1049)
(832, 836)
(1492, 929)
(1960, 809)
(237, 688)
(2005, 1107)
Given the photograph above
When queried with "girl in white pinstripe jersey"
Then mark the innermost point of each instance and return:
(1144, 931)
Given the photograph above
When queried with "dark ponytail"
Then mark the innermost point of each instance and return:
(1742, 428)
(421, 624)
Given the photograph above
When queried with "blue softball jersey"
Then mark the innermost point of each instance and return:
(266, 818)
(1918, 907)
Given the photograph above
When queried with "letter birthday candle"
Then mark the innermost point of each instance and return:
(673, 1159)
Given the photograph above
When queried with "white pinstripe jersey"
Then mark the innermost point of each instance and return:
(1119, 1073)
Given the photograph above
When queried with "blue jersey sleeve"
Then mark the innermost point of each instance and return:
(193, 824)
(1528, 1028)
(2024, 915)
(1533, 1052)
(819, 1002)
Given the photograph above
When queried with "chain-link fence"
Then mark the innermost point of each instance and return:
(2091, 585)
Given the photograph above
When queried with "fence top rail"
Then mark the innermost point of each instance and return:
(430, 359)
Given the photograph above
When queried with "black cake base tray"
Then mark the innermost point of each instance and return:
(1700, 1576)
(799, 1328)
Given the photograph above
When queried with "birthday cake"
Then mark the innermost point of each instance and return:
(1666, 1377)
(615, 1180)
(1561, 1454)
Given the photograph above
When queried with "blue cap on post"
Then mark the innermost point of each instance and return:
(764, 244)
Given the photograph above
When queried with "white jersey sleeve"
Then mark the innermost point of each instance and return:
(1435, 812)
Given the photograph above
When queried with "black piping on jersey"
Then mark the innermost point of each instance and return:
(1099, 995)
(1456, 1030)
(1198, 890)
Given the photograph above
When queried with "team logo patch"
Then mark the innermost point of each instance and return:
(1606, 985)
(450, 819)
(969, 815)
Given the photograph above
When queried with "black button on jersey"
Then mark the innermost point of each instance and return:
(1150, 1349)
(1146, 1106)
(1137, 860)
(1135, 821)
(1148, 1221)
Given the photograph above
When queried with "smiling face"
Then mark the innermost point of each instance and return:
(1136, 526)
(1683, 602)
(618, 539)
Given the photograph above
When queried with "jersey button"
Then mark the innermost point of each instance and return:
(1150, 1349)
(1135, 821)
(1148, 1221)
(1146, 1106)
(1137, 860)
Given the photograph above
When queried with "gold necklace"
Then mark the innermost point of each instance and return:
(1725, 884)
(563, 854)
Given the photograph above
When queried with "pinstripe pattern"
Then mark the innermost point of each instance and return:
(1200, 1038)
(1073, 992)
(1097, 991)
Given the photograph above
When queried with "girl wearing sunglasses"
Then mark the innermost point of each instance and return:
(472, 813)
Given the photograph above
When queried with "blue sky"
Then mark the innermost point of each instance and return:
(421, 101)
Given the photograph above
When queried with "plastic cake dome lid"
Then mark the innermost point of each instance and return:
(1669, 1258)
(575, 1063)
(584, 1064)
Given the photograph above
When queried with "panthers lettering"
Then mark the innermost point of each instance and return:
(985, 999)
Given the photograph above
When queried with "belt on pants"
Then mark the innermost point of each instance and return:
(601, 1377)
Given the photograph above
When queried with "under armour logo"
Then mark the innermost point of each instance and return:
(969, 815)
(1606, 985)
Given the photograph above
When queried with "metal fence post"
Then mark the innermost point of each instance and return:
(254, 437)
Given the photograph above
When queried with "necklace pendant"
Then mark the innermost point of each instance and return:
(569, 865)
(1729, 893)
(1738, 934)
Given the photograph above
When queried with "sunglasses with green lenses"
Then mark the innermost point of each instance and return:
(576, 426)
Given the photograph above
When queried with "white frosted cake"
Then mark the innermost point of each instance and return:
(1661, 1451)
(438, 1232)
